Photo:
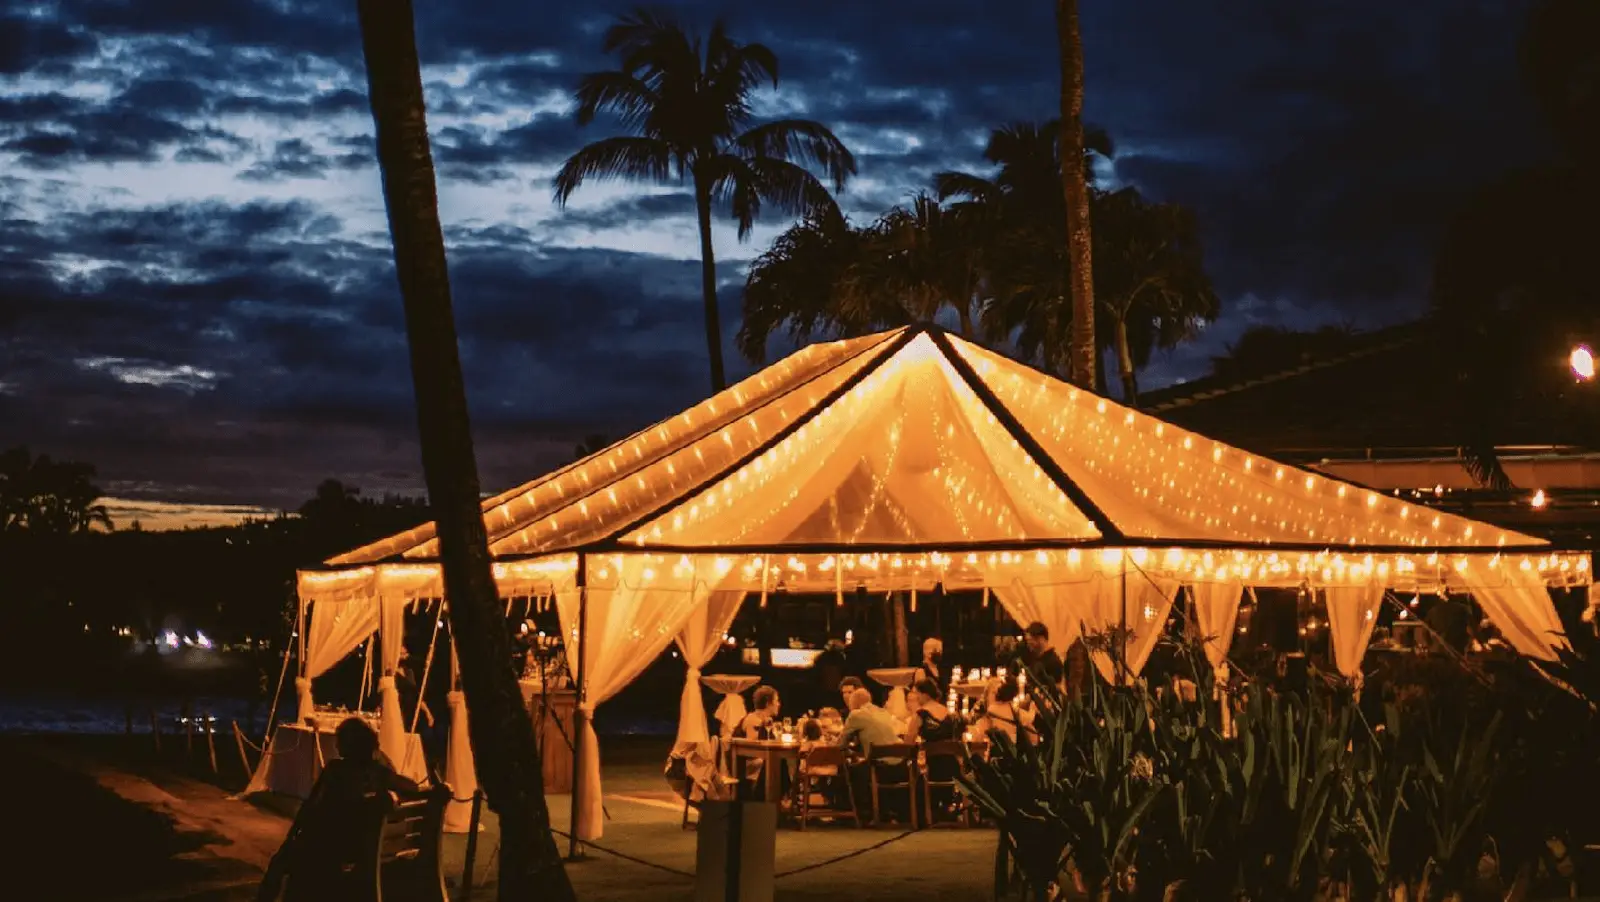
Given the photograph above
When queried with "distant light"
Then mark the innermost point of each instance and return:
(1538, 501)
(1582, 362)
(201, 639)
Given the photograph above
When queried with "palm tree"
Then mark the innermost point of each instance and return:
(1079, 272)
(930, 257)
(1150, 279)
(799, 281)
(502, 735)
(686, 105)
(1027, 260)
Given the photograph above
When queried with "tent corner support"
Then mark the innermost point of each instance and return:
(580, 721)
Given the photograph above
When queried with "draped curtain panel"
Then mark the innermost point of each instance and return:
(1059, 607)
(1352, 613)
(635, 610)
(391, 641)
(699, 641)
(1518, 604)
(1216, 613)
(333, 630)
(459, 770)
(1143, 608)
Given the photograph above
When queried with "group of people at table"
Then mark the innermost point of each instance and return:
(865, 724)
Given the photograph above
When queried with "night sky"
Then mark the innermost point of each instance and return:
(196, 283)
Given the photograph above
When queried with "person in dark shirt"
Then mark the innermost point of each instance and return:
(1451, 621)
(1038, 657)
(327, 832)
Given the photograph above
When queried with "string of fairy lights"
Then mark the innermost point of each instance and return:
(1214, 490)
(977, 484)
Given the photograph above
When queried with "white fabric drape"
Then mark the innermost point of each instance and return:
(459, 770)
(1518, 604)
(391, 641)
(333, 630)
(1142, 608)
(1352, 613)
(632, 616)
(730, 713)
(699, 641)
(1216, 611)
(1059, 607)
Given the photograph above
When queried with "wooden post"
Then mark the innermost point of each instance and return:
(472, 845)
(187, 716)
(211, 743)
(580, 718)
(128, 715)
(155, 729)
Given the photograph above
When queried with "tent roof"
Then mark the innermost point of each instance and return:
(915, 439)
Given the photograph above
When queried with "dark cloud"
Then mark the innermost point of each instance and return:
(237, 350)
(291, 159)
(27, 42)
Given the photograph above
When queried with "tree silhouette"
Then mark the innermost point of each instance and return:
(685, 102)
(44, 496)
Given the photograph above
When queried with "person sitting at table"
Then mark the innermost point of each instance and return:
(848, 687)
(758, 723)
(867, 725)
(1003, 715)
(325, 836)
(930, 720)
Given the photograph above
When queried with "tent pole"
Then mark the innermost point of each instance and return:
(1122, 637)
(582, 696)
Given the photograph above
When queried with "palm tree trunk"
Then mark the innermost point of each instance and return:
(965, 313)
(708, 284)
(1080, 274)
(502, 735)
(1130, 380)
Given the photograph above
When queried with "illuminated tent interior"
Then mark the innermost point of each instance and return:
(909, 459)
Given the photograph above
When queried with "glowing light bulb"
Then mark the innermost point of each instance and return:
(1582, 362)
(1538, 501)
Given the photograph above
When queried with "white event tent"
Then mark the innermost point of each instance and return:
(909, 459)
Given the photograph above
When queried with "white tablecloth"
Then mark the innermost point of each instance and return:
(294, 761)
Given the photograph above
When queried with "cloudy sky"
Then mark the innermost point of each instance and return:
(196, 287)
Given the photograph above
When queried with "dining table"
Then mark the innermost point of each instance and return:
(773, 754)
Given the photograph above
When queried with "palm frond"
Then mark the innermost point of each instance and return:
(965, 186)
(615, 93)
(747, 184)
(811, 144)
(614, 158)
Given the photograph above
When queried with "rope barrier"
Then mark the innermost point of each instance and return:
(845, 857)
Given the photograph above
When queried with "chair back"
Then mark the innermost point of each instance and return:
(825, 756)
(895, 752)
(945, 748)
(408, 858)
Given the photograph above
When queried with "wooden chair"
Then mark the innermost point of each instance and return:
(950, 750)
(726, 784)
(393, 854)
(814, 774)
(893, 766)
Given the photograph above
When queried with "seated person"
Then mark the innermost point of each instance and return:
(848, 687)
(324, 836)
(930, 720)
(868, 725)
(1002, 713)
(758, 723)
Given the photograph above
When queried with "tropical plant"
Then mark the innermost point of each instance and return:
(1075, 191)
(43, 496)
(686, 105)
(1150, 279)
(504, 751)
(798, 285)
